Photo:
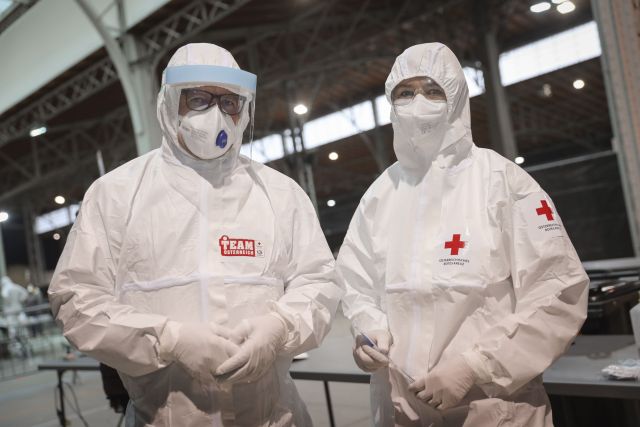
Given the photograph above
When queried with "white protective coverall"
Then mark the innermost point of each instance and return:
(13, 297)
(460, 253)
(166, 237)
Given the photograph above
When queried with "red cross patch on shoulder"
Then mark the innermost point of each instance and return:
(545, 210)
(540, 216)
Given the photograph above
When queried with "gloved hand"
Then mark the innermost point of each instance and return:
(446, 385)
(198, 347)
(264, 336)
(366, 357)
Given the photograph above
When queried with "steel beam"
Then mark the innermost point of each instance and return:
(192, 19)
(90, 81)
(3, 262)
(500, 125)
(34, 247)
(377, 24)
(619, 26)
(111, 133)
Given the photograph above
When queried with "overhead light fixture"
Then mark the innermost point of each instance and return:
(546, 91)
(333, 155)
(37, 131)
(519, 160)
(300, 109)
(540, 7)
(331, 203)
(4, 216)
(59, 200)
(56, 236)
(578, 84)
(566, 7)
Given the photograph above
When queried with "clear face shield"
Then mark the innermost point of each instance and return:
(213, 107)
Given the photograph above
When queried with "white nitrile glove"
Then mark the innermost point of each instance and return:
(264, 337)
(198, 347)
(369, 358)
(446, 385)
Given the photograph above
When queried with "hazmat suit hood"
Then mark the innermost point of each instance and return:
(200, 54)
(437, 62)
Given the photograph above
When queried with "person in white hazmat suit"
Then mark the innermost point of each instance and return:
(14, 298)
(195, 272)
(457, 267)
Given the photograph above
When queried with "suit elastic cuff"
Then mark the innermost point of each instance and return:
(168, 340)
(285, 327)
(479, 363)
(290, 325)
(366, 322)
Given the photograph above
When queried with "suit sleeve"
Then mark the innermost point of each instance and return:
(83, 301)
(360, 272)
(551, 290)
(311, 295)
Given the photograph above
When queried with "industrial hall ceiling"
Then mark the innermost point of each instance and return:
(327, 54)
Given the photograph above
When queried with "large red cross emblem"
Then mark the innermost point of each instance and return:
(545, 210)
(455, 244)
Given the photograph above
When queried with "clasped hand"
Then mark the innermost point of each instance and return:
(446, 385)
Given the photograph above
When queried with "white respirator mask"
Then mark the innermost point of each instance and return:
(209, 134)
(424, 124)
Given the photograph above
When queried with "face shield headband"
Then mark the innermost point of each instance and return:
(211, 74)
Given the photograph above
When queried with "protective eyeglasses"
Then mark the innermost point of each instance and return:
(200, 100)
(406, 91)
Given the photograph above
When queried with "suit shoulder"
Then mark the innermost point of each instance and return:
(121, 181)
(518, 181)
(273, 179)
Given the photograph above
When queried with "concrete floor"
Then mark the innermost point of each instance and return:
(28, 401)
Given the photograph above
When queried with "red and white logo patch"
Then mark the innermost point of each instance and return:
(455, 244)
(453, 248)
(541, 216)
(230, 246)
(545, 210)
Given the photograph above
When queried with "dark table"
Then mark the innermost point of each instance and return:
(577, 373)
